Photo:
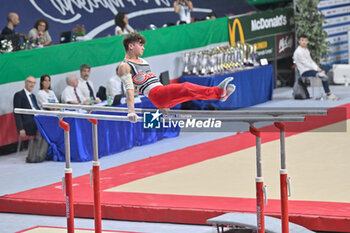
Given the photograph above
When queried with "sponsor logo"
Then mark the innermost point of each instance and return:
(261, 45)
(262, 23)
(232, 31)
(265, 52)
(285, 43)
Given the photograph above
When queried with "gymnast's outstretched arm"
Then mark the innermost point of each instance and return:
(125, 76)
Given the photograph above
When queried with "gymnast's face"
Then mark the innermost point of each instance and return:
(137, 48)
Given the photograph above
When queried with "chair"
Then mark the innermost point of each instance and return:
(19, 145)
(164, 78)
(21, 140)
(101, 93)
(315, 84)
(317, 88)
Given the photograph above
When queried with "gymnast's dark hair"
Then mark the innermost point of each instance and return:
(132, 38)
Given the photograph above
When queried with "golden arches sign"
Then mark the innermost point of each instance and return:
(232, 32)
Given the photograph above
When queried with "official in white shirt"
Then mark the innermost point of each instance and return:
(308, 68)
(115, 88)
(85, 85)
(72, 94)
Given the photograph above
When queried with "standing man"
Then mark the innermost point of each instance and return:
(12, 22)
(183, 8)
(135, 72)
(85, 85)
(72, 94)
(25, 99)
(308, 68)
(9, 31)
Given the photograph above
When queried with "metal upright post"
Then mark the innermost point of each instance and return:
(284, 180)
(260, 188)
(67, 180)
(96, 178)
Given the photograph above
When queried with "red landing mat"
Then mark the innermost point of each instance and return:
(192, 209)
(45, 229)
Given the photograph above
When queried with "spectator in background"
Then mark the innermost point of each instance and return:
(45, 94)
(85, 85)
(40, 29)
(9, 32)
(122, 24)
(183, 8)
(72, 94)
(115, 89)
(25, 99)
(12, 22)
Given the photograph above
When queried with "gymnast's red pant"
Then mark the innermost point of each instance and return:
(173, 94)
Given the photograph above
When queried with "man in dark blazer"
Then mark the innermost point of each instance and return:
(25, 99)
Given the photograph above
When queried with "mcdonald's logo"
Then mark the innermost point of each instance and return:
(232, 31)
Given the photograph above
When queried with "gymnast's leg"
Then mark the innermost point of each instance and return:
(171, 95)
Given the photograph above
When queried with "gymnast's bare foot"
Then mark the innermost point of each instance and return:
(164, 111)
(229, 90)
(223, 86)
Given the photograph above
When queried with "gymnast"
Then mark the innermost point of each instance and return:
(135, 72)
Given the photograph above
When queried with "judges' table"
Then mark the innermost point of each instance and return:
(113, 136)
(253, 86)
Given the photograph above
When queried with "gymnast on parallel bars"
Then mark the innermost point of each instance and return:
(135, 73)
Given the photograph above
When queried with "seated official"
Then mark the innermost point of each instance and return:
(25, 123)
(72, 94)
(115, 89)
(308, 68)
(45, 94)
(85, 85)
(25, 99)
(40, 30)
